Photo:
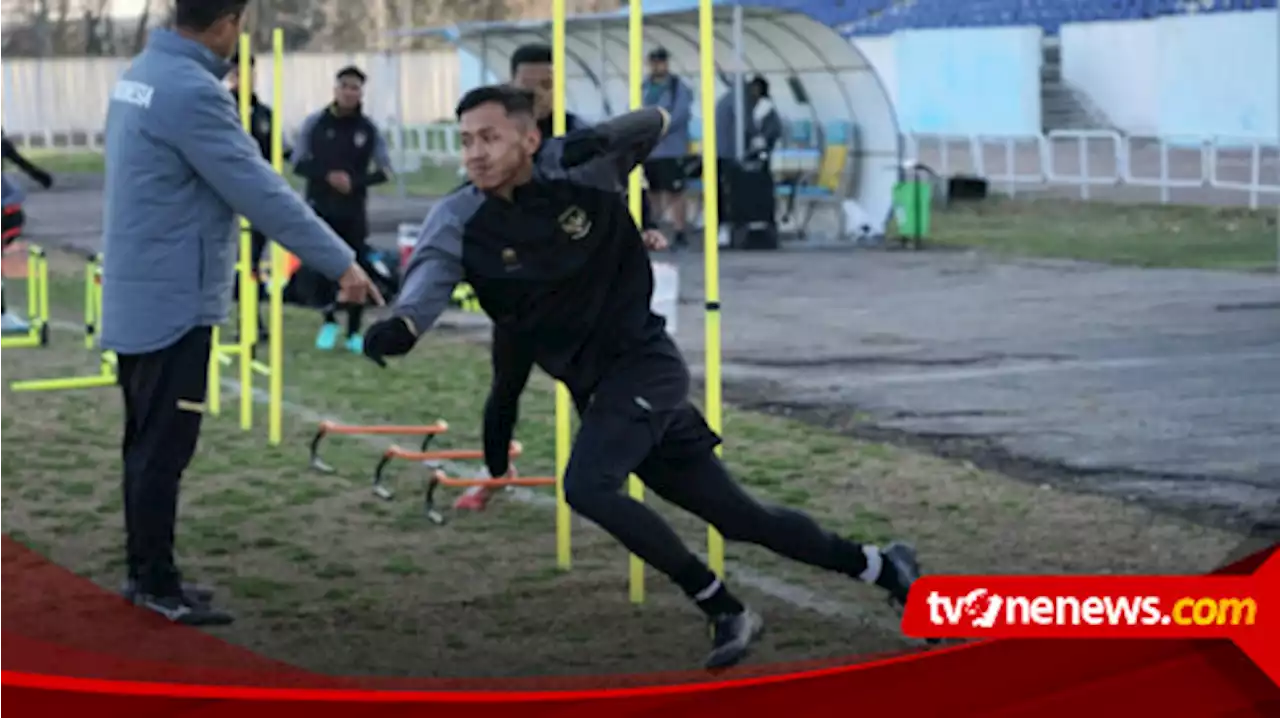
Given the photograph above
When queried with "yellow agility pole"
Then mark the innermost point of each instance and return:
(278, 254)
(563, 403)
(248, 304)
(635, 32)
(711, 244)
(92, 300)
(223, 352)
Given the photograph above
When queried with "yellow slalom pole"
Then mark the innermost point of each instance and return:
(90, 302)
(635, 32)
(711, 244)
(34, 261)
(563, 404)
(38, 310)
(214, 391)
(44, 296)
(96, 288)
(278, 260)
(248, 289)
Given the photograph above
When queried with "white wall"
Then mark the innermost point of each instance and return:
(1218, 75)
(1117, 64)
(972, 81)
(1188, 76)
(880, 52)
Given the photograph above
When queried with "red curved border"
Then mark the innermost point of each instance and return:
(997, 677)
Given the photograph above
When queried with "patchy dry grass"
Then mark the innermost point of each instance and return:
(1143, 235)
(324, 575)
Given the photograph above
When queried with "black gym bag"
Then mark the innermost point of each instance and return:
(751, 204)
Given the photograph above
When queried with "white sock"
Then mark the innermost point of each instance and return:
(875, 562)
(709, 591)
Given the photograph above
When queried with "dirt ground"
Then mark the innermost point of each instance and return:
(325, 576)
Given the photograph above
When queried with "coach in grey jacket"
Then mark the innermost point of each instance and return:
(179, 167)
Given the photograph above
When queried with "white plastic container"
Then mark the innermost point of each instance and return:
(408, 237)
(666, 293)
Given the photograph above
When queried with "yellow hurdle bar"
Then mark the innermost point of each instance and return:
(37, 333)
(711, 244)
(635, 26)
(107, 364)
(563, 403)
(275, 363)
(106, 376)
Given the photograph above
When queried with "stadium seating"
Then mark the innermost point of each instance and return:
(878, 17)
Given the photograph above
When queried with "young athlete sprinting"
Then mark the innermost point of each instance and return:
(557, 263)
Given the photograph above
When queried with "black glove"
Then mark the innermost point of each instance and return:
(388, 338)
(582, 146)
(44, 178)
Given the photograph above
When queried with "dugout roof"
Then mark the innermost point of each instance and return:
(777, 42)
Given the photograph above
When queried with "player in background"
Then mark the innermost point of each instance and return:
(341, 153)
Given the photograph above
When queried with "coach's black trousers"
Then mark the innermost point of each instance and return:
(164, 404)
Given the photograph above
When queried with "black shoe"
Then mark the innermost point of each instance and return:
(899, 571)
(182, 611)
(732, 639)
(194, 592)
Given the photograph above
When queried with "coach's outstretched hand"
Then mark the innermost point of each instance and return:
(389, 338)
(582, 146)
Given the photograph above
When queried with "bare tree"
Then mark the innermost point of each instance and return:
(97, 29)
(140, 28)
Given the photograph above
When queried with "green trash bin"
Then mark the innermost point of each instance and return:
(912, 202)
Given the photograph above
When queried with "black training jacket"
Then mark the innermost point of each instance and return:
(328, 142)
(260, 117)
(561, 269)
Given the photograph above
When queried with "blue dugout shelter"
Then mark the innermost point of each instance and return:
(829, 94)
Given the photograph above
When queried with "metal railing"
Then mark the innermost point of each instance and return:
(1103, 164)
(1090, 164)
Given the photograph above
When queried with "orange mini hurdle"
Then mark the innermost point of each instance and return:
(428, 457)
(426, 431)
(440, 478)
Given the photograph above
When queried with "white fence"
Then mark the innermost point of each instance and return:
(1105, 164)
(62, 102)
(1093, 164)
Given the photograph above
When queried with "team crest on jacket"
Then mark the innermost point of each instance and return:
(360, 139)
(575, 223)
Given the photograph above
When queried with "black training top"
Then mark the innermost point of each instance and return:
(574, 123)
(260, 120)
(330, 141)
(560, 269)
(512, 362)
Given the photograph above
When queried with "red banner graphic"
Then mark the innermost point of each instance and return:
(1162, 645)
(1240, 608)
